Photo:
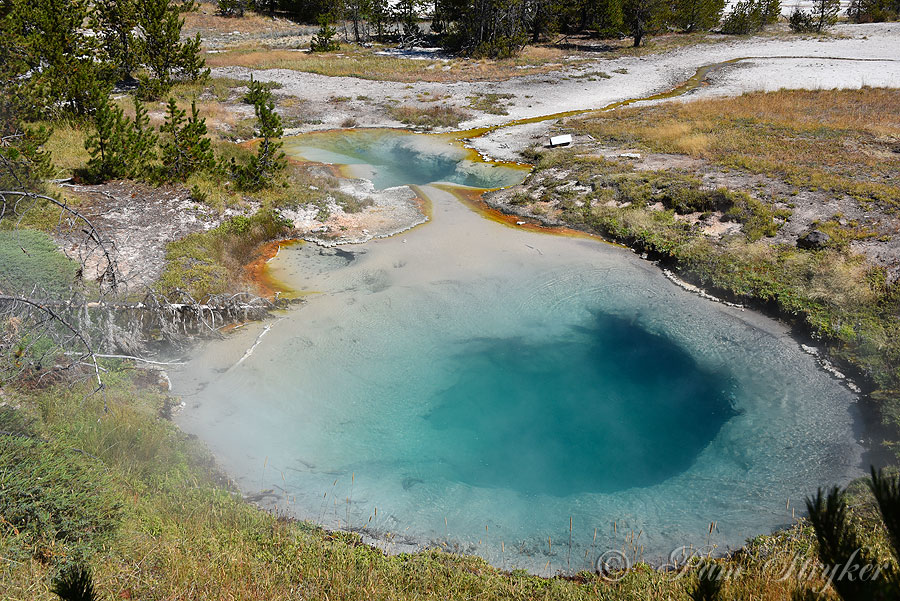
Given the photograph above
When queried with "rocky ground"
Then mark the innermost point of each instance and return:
(140, 220)
(880, 247)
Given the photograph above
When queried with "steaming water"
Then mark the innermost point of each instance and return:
(480, 385)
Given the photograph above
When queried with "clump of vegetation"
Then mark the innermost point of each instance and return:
(231, 8)
(750, 16)
(428, 117)
(324, 40)
(208, 263)
(495, 104)
(842, 545)
(29, 259)
(262, 168)
(53, 497)
(74, 583)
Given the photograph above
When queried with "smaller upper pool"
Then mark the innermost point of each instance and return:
(390, 157)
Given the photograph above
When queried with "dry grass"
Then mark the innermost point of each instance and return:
(366, 64)
(66, 147)
(206, 22)
(844, 141)
(428, 117)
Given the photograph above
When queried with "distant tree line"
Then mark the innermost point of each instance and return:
(500, 28)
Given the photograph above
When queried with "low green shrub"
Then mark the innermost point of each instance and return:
(428, 117)
(29, 259)
(51, 496)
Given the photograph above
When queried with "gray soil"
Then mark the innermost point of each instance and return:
(139, 221)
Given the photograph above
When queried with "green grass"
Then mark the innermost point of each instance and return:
(495, 104)
(211, 262)
(57, 501)
(66, 147)
(30, 258)
(221, 89)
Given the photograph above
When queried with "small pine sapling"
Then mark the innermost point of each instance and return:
(186, 150)
(262, 168)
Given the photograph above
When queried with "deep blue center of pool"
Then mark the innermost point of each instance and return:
(611, 407)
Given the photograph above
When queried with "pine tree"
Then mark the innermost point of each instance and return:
(114, 22)
(269, 161)
(142, 141)
(23, 161)
(378, 14)
(873, 11)
(750, 16)
(825, 13)
(256, 92)
(494, 28)
(165, 56)
(643, 17)
(186, 149)
(324, 40)
(232, 8)
(107, 145)
(120, 148)
(406, 13)
(697, 15)
(54, 57)
(608, 17)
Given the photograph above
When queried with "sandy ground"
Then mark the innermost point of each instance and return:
(853, 56)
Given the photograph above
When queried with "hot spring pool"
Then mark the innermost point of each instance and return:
(476, 387)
